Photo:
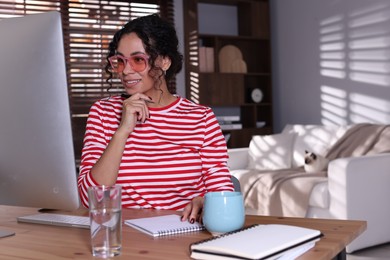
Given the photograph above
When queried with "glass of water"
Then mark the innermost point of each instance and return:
(105, 211)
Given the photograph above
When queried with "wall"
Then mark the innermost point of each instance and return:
(331, 61)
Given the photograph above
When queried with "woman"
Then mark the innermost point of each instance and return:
(165, 151)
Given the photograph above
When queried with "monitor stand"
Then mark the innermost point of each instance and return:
(4, 233)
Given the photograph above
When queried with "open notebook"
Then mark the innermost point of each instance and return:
(272, 241)
(163, 225)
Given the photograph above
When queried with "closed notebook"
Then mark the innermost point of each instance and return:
(272, 241)
(163, 225)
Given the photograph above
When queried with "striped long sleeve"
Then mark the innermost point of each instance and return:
(179, 153)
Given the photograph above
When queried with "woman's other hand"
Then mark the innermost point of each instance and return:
(193, 211)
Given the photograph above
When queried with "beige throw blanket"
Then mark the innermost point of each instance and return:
(287, 192)
(361, 139)
(278, 192)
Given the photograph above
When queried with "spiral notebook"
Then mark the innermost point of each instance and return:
(272, 241)
(163, 225)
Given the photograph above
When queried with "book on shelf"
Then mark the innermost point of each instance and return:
(232, 126)
(228, 118)
(163, 225)
(272, 241)
(206, 59)
(229, 122)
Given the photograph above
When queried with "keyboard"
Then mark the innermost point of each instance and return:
(57, 220)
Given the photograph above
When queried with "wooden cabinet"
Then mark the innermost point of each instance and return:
(217, 86)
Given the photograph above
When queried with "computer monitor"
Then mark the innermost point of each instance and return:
(37, 162)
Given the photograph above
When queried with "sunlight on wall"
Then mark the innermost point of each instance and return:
(334, 106)
(369, 109)
(355, 47)
(332, 47)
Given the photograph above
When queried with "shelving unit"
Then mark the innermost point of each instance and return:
(232, 89)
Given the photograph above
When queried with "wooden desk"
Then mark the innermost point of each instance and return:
(35, 241)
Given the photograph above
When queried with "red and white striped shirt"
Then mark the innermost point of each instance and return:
(179, 153)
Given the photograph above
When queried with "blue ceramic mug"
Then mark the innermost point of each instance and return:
(223, 212)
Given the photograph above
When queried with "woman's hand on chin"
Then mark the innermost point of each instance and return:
(134, 109)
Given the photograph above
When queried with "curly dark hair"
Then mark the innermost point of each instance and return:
(158, 37)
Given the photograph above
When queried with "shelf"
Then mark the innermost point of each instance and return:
(210, 83)
(232, 37)
(244, 136)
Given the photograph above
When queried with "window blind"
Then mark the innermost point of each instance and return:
(88, 26)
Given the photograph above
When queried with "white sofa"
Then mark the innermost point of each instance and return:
(356, 188)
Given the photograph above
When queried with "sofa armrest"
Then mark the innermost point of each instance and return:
(359, 189)
(238, 158)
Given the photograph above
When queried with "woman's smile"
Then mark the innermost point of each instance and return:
(131, 82)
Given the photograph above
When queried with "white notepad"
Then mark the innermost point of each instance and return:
(163, 225)
(257, 242)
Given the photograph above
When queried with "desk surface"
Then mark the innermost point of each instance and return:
(35, 241)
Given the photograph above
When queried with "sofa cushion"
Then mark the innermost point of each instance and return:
(270, 152)
(314, 138)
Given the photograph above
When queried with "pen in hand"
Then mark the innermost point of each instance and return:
(144, 99)
(148, 100)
